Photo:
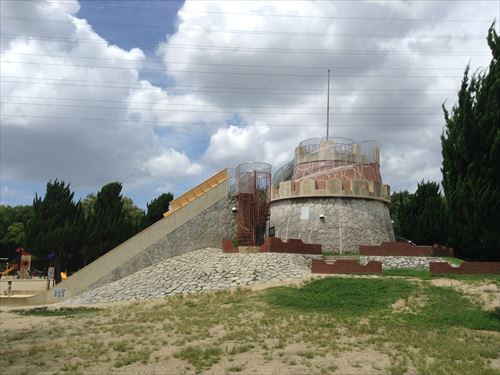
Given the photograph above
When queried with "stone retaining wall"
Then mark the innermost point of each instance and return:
(389, 262)
(199, 271)
(203, 231)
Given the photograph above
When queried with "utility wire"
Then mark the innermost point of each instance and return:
(281, 67)
(252, 32)
(156, 109)
(284, 50)
(200, 105)
(194, 123)
(138, 84)
(338, 91)
(348, 18)
(170, 70)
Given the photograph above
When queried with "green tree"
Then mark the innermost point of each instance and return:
(399, 204)
(12, 228)
(134, 214)
(420, 217)
(156, 208)
(88, 205)
(471, 162)
(56, 226)
(108, 225)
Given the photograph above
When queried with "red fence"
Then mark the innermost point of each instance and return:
(345, 266)
(405, 249)
(466, 268)
(276, 245)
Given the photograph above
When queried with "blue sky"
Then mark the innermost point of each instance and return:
(159, 95)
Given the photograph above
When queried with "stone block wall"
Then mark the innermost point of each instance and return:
(466, 268)
(345, 266)
(352, 221)
(391, 262)
(205, 230)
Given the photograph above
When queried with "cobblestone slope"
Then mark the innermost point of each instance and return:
(197, 271)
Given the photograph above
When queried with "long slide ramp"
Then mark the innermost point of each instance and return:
(184, 221)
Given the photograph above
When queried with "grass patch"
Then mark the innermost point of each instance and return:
(132, 357)
(407, 272)
(447, 307)
(200, 358)
(64, 311)
(454, 261)
(341, 296)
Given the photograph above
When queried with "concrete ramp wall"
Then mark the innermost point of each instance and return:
(202, 222)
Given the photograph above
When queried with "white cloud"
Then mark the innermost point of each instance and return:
(171, 163)
(61, 119)
(143, 134)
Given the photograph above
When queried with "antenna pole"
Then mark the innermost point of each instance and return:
(328, 107)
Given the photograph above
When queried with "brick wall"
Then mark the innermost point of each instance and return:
(228, 247)
(466, 268)
(342, 266)
(405, 249)
(276, 245)
(442, 251)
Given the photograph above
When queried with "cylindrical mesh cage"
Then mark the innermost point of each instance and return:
(254, 181)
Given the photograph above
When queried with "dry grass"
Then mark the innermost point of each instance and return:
(260, 332)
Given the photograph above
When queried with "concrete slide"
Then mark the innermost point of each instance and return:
(184, 209)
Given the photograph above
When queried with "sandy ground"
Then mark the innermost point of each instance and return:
(355, 355)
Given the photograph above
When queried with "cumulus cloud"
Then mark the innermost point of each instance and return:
(60, 117)
(240, 88)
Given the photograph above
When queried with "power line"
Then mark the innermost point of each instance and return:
(164, 70)
(349, 18)
(339, 92)
(200, 105)
(253, 32)
(281, 67)
(194, 123)
(226, 112)
(137, 84)
(287, 50)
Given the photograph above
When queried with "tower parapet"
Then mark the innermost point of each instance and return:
(332, 193)
(333, 187)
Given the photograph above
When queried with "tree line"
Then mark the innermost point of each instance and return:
(77, 231)
(467, 215)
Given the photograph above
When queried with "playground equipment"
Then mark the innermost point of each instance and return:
(23, 267)
(8, 268)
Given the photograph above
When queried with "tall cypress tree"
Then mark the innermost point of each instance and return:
(420, 217)
(471, 162)
(107, 225)
(156, 208)
(399, 213)
(56, 226)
